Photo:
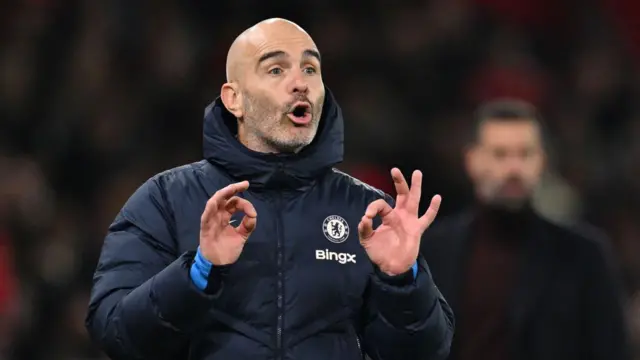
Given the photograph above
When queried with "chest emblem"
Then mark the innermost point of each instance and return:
(335, 229)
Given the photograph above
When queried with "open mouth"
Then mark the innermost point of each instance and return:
(301, 114)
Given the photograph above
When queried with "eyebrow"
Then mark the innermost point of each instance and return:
(271, 54)
(280, 53)
(312, 53)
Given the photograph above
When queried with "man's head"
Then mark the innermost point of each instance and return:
(506, 160)
(274, 87)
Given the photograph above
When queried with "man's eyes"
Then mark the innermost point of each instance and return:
(309, 70)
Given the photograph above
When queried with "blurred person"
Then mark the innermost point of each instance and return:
(188, 271)
(521, 286)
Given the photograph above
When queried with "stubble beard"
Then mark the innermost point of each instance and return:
(494, 198)
(268, 130)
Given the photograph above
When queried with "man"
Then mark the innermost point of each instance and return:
(521, 287)
(293, 282)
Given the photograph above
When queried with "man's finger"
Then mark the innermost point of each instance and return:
(216, 201)
(210, 208)
(365, 228)
(416, 190)
(402, 188)
(427, 219)
(228, 191)
(250, 219)
(231, 206)
(378, 207)
(237, 203)
(247, 226)
(247, 208)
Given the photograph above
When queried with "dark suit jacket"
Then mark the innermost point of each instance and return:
(568, 303)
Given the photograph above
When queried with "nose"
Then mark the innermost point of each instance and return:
(515, 167)
(299, 84)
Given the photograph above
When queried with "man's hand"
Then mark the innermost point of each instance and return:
(221, 243)
(395, 244)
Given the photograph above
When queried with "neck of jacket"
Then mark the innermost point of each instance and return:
(273, 171)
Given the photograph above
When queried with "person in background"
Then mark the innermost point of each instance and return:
(522, 287)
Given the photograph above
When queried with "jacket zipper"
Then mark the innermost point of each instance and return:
(355, 333)
(280, 290)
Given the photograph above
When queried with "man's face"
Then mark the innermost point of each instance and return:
(507, 162)
(282, 94)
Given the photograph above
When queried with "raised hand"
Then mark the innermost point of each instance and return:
(395, 244)
(220, 242)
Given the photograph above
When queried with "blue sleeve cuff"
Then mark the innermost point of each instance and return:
(414, 269)
(200, 270)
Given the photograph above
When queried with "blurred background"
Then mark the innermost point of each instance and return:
(97, 96)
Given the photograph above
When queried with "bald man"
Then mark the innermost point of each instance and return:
(330, 270)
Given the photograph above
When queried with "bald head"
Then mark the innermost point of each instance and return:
(254, 39)
(274, 86)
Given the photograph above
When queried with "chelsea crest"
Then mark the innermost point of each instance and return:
(335, 229)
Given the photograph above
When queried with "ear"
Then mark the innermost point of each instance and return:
(232, 99)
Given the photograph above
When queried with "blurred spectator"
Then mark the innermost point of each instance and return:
(522, 287)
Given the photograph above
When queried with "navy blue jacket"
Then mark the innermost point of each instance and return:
(303, 287)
